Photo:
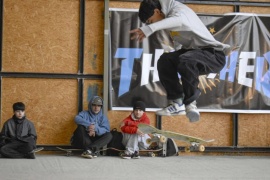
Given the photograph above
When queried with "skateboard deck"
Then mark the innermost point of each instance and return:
(37, 149)
(196, 143)
(69, 151)
(150, 152)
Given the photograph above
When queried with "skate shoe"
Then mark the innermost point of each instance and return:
(30, 156)
(192, 112)
(87, 154)
(135, 155)
(126, 156)
(172, 110)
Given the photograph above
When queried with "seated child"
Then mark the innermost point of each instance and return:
(133, 138)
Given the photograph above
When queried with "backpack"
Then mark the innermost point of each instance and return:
(172, 148)
(116, 143)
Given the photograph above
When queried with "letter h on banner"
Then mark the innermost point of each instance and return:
(146, 66)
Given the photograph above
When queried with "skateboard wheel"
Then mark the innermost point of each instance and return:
(187, 149)
(201, 148)
(162, 139)
(148, 141)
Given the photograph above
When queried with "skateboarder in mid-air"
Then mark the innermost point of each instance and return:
(196, 53)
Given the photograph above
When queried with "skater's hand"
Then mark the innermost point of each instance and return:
(92, 133)
(91, 129)
(137, 34)
(139, 132)
(122, 124)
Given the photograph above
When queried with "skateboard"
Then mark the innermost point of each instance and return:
(69, 151)
(196, 144)
(37, 149)
(150, 152)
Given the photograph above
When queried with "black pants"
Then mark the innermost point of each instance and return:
(17, 149)
(189, 64)
(82, 140)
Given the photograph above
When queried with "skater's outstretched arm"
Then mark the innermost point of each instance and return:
(137, 34)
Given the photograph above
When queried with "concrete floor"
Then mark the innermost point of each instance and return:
(58, 167)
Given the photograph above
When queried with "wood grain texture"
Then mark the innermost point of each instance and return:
(41, 36)
(51, 104)
(94, 37)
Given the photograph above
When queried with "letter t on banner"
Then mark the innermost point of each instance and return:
(128, 55)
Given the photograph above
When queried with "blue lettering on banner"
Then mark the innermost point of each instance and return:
(262, 81)
(265, 80)
(129, 55)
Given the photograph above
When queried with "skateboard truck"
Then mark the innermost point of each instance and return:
(156, 138)
(195, 147)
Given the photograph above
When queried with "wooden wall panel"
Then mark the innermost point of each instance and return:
(214, 9)
(211, 126)
(94, 41)
(41, 36)
(254, 130)
(51, 104)
(119, 4)
(211, 9)
(252, 9)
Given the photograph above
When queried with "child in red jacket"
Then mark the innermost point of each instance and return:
(133, 138)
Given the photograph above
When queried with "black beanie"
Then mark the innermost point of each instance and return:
(139, 105)
(18, 106)
(147, 8)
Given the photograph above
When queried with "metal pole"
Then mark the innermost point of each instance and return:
(235, 129)
(106, 57)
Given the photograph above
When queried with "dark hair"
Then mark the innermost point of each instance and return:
(147, 8)
(18, 106)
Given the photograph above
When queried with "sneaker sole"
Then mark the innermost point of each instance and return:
(126, 157)
(173, 114)
(193, 116)
(87, 157)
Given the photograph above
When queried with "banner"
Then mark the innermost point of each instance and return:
(243, 85)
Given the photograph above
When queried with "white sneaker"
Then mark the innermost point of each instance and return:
(192, 113)
(172, 110)
(87, 154)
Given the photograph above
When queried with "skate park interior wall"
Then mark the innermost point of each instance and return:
(50, 66)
